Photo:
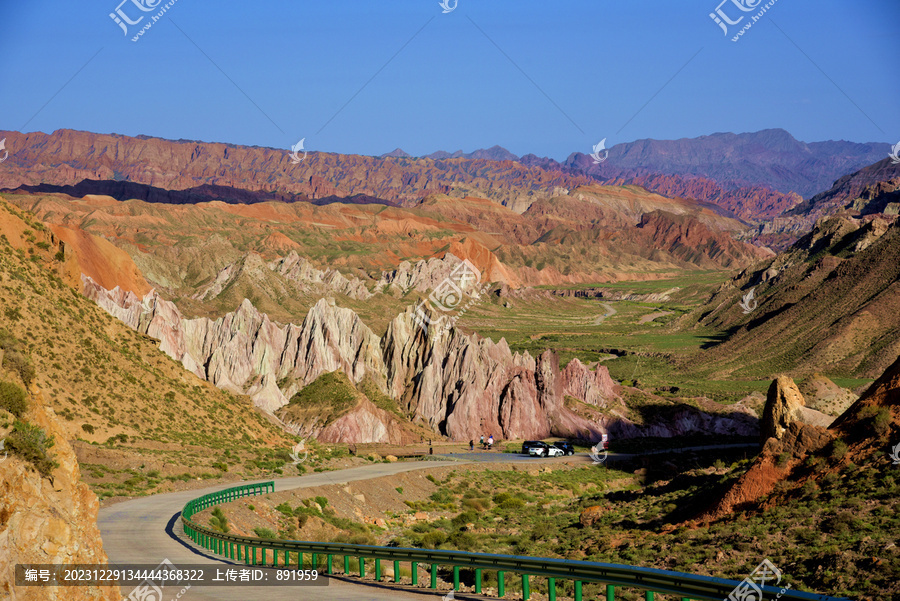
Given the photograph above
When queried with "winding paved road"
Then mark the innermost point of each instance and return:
(147, 531)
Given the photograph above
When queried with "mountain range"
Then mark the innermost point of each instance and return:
(754, 176)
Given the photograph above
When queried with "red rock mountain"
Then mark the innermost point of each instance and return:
(751, 176)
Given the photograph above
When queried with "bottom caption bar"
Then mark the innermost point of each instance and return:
(165, 574)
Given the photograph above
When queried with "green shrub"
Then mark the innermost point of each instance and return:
(838, 449)
(265, 533)
(87, 428)
(221, 466)
(13, 399)
(218, 521)
(15, 361)
(322, 501)
(285, 509)
(882, 421)
(32, 444)
(434, 539)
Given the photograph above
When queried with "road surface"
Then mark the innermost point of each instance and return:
(147, 531)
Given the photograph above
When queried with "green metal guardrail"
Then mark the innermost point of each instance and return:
(256, 551)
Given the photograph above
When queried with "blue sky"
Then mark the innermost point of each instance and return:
(547, 78)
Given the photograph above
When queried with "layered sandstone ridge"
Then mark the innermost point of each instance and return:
(451, 383)
(48, 520)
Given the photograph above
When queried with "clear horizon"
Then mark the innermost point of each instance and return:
(360, 78)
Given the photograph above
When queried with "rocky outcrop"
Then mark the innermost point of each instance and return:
(365, 423)
(244, 351)
(456, 384)
(422, 276)
(784, 406)
(48, 520)
(252, 268)
(298, 269)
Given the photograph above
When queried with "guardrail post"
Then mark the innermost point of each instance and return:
(501, 584)
(648, 595)
(330, 566)
(396, 570)
(526, 589)
(362, 567)
(377, 570)
(610, 593)
(455, 578)
(346, 565)
(578, 590)
(551, 589)
(434, 575)
(247, 554)
(299, 560)
(477, 581)
(414, 568)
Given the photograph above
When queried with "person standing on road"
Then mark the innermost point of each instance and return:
(481, 441)
(471, 445)
(490, 441)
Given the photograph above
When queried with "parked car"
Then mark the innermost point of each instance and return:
(528, 444)
(542, 449)
(565, 446)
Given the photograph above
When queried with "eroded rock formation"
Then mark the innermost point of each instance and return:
(456, 384)
(48, 520)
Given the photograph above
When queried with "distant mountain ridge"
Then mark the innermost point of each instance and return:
(771, 157)
(750, 176)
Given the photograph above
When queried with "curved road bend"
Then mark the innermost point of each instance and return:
(147, 531)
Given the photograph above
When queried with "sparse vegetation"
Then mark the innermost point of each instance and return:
(218, 521)
(13, 399)
(32, 444)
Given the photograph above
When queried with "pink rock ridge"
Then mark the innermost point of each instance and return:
(454, 384)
